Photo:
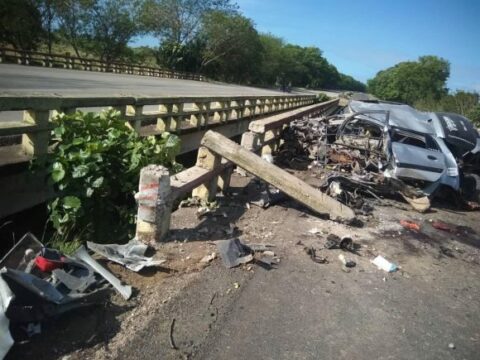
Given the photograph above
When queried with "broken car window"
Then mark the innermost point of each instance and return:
(409, 138)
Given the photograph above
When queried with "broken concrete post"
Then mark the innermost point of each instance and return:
(224, 179)
(154, 204)
(287, 183)
(208, 161)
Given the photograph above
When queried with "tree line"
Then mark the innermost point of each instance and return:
(211, 37)
(423, 84)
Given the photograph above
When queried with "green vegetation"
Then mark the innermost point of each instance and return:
(422, 84)
(200, 36)
(95, 169)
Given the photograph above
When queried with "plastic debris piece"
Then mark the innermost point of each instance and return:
(6, 340)
(410, 225)
(384, 264)
(130, 255)
(22, 255)
(208, 258)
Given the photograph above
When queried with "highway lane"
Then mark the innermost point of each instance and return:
(30, 80)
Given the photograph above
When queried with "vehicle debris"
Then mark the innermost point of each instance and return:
(312, 252)
(233, 252)
(6, 297)
(384, 264)
(346, 262)
(373, 149)
(124, 290)
(344, 243)
(410, 225)
(130, 255)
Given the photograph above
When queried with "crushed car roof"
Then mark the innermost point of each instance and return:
(402, 116)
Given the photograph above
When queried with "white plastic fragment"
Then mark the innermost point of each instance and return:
(207, 258)
(384, 264)
(6, 340)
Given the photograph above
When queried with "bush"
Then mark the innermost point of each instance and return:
(95, 167)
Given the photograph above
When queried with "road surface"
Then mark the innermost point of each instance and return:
(30, 80)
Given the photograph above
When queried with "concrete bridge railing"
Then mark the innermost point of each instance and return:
(189, 117)
(66, 61)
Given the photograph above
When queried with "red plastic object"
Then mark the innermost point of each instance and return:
(47, 265)
(410, 225)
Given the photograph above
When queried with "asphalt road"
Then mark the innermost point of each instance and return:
(305, 310)
(30, 80)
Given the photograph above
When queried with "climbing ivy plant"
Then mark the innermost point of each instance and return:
(95, 166)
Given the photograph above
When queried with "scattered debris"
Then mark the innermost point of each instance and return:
(124, 290)
(233, 252)
(208, 258)
(236, 285)
(268, 195)
(410, 225)
(313, 255)
(451, 346)
(346, 262)
(344, 243)
(6, 297)
(130, 255)
(314, 231)
(440, 225)
(384, 264)
(260, 247)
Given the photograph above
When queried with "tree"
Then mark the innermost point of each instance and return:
(474, 115)
(412, 81)
(114, 24)
(48, 18)
(179, 21)
(231, 46)
(75, 20)
(20, 24)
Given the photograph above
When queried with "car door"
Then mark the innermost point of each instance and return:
(416, 156)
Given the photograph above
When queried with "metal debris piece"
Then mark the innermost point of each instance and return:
(233, 252)
(124, 290)
(130, 255)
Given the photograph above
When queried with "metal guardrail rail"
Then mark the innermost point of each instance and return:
(188, 117)
(66, 61)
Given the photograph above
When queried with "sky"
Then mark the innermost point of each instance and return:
(362, 37)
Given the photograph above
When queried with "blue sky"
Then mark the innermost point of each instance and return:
(361, 37)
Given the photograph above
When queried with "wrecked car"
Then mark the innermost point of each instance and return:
(377, 149)
(430, 149)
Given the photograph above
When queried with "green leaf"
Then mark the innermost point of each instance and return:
(71, 202)
(89, 192)
(58, 172)
(80, 171)
(98, 182)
